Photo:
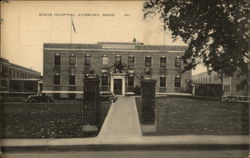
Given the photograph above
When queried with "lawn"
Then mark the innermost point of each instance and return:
(62, 119)
(182, 116)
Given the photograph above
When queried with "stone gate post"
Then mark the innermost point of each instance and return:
(91, 103)
(148, 101)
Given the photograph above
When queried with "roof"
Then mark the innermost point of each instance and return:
(115, 45)
(15, 66)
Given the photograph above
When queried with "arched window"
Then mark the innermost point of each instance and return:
(131, 61)
(177, 61)
(57, 79)
(72, 59)
(57, 60)
(87, 60)
(177, 82)
(162, 81)
(72, 79)
(163, 61)
(118, 59)
(148, 61)
(105, 60)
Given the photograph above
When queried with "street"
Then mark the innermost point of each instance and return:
(133, 154)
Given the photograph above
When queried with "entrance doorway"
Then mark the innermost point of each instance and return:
(118, 86)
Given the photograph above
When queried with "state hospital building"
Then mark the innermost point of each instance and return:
(66, 65)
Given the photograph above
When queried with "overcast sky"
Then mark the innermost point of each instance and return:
(27, 25)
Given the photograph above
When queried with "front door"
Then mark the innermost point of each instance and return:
(118, 86)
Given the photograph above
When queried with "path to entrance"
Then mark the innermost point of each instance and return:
(122, 120)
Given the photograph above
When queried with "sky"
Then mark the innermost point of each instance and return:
(28, 24)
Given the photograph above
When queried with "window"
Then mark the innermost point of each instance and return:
(87, 59)
(105, 60)
(57, 79)
(5, 70)
(72, 79)
(72, 95)
(72, 60)
(57, 60)
(4, 83)
(131, 81)
(177, 82)
(13, 73)
(215, 78)
(162, 81)
(177, 61)
(148, 61)
(29, 85)
(210, 79)
(10, 72)
(131, 61)
(118, 59)
(104, 80)
(163, 62)
(226, 88)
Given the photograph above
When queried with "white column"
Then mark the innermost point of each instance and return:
(112, 84)
(123, 85)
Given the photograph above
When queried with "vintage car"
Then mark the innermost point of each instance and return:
(108, 96)
(40, 97)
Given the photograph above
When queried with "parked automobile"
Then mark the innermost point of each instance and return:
(108, 96)
(40, 97)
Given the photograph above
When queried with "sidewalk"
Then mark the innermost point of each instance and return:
(146, 140)
(121, 127)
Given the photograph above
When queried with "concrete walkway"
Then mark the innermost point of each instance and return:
(122, 120)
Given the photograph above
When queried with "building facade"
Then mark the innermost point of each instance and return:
(120, 66)
(204, 77)
(205, 84)
(236, 87)
(17, 79)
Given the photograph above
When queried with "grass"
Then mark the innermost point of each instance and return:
(183, 115)
(62, 119)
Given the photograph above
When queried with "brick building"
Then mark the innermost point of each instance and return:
(120, 67)
(17, 79)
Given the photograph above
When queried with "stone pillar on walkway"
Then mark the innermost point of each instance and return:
(148, 101)
(91, 103)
